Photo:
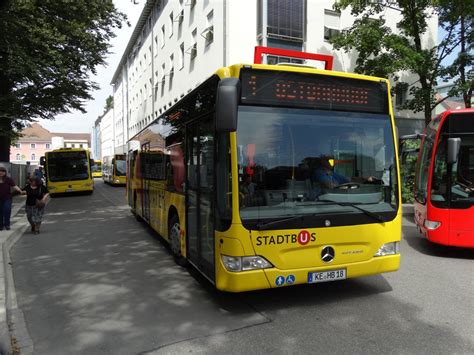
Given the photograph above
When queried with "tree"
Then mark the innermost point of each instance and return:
(381, 52)
(109, 103)
(48, 50)
(456, 19)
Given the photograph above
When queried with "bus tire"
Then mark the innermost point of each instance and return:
(174, 238)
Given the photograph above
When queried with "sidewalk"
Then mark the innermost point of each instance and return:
(7, 294)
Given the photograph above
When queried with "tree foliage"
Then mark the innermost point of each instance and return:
(109, 103)
(48, 51)
(383, 52)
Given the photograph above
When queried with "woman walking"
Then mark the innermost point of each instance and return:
(36, 196)
(6, 185)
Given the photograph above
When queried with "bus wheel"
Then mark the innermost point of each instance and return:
(174, 236)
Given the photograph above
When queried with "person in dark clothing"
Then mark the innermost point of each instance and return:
(6, 185)
(36, 197)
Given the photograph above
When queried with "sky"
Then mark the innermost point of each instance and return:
(77, 121)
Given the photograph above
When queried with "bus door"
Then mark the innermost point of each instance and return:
(199, 195)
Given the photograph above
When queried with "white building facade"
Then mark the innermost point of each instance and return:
(107, 134)
(177, 44)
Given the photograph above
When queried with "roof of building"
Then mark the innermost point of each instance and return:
(450, 104)
(35, 132)
(135, 35)
(74, 136)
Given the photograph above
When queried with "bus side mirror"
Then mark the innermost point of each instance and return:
(42, 161)
(454, 145)
(227, 101)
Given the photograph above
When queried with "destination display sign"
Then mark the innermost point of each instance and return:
(326, 92)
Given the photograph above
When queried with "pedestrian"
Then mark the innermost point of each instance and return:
(37, 195)
(39, 172)
(6, 185)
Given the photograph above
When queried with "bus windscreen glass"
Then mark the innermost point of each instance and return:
(121, 167)
(271, 88)
(304, 162)
(66, 166)
(462, 174)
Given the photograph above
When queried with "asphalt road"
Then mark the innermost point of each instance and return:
(98, 282)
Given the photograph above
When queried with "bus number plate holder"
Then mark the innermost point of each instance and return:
(326, 276)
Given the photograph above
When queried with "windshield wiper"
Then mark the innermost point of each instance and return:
(289, 219)
(375, 216)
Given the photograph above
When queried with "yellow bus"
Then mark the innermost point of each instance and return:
(97, 169)
(114, 169)
(68, 170)
(268, 176)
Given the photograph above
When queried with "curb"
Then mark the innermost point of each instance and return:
(12, 325)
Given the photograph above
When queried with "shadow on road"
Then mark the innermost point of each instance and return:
(97, 281)
(424, 246)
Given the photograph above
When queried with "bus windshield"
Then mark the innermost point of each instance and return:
(462, 173)
(314, 162)
(66, 166)
(121, 167)
(97, 167)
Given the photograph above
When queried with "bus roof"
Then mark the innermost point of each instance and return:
(234, 71)
(68, 150)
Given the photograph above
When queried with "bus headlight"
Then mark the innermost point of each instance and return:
(431, 225)
(245, 263)
(391, 248)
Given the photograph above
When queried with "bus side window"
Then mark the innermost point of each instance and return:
(423, 169)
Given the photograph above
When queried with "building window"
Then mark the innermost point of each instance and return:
(181, 56)
(208, 32)
(191, 3)
(285, 23)
(170, 21)
(274, 59)
(18, 157)
(33, 146)
(401, 94)
(180, 16)
(192, 50)
(47, 146)
(17, 145)
(332, 24)
(162, 35)
(33, 156)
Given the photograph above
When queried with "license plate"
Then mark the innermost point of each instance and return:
(325, 276)
(69, 190)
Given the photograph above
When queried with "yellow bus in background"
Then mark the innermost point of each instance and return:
(114, 169)
(68, 170)
(268, 176)
(97, 169)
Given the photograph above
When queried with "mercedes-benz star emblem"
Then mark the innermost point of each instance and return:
(327, 254)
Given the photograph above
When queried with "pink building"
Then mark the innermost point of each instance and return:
(31, 146)
(35, 141)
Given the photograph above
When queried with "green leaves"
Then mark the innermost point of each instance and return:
(48, 51)
(381, 52)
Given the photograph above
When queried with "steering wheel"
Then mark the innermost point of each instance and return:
(348, 186)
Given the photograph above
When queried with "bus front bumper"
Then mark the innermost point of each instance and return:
(272, 278)
(68, 188)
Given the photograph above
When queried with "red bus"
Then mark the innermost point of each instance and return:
(444, 180)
